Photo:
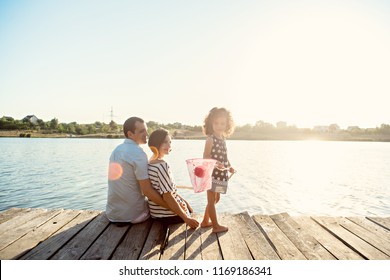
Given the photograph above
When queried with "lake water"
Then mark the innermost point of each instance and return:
(298, 177)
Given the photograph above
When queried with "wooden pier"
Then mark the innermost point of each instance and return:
(58, 234)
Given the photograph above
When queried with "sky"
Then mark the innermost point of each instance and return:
(306, 63)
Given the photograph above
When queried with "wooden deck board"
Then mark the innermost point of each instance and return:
(232, 243)
(18, 221)
(282, 245)
(106, 243)
(210, 247)
(255, 240)
(381, 221)
(46, 249)
(43, 234)
(371, 238)
(18, 231)
(194, 242)
(151, 249)
(131, 246)
(34, 237)
(307, 244)
(349, 238)
(335, 246)
(371, 226)
(175, 248)
(11, 213)
(79, 244)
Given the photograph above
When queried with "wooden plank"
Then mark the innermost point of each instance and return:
(354, 242)
(330, 242)
(47, 234)
(79, 244)
(281, 244)
(11, 236)
(176, 243)
(50, 246)
(210, 248)
(12, 213)
(131, 246)
(371, 226)
(305, 243)
(371, 238)
(193, 242)
(20, 221)
(382, 221)
(105, 244)
(232, 244)
(255, 240)
(151, 249)
(33, 238)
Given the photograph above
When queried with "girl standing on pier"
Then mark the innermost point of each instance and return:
(217, 126)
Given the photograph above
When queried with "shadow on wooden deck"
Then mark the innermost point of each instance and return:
(59, 234)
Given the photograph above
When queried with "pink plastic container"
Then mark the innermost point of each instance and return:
(200, 171)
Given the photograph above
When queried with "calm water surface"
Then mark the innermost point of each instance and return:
(298, 177)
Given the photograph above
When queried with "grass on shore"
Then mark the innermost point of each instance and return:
(196, 135)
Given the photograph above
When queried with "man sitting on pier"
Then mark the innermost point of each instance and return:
(128, 179)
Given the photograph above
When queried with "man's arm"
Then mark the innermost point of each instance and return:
(151, 193)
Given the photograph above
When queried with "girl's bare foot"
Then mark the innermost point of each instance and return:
(220, 229)
(206, 224)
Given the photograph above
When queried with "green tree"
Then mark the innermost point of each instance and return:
(81, 129)
(41, 124)
(152, 126)
(385, 129)
(71, 128)
(61, 127)
(7, 123)
(91, 128)
(113, 126)
(105, 128)
(53, 124)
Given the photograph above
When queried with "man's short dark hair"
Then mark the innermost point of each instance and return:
(129, 125)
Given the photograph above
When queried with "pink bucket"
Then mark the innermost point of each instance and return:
(200, 171)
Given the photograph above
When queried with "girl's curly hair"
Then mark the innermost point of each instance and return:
(215, 113)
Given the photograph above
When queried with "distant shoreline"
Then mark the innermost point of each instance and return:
(200, 136)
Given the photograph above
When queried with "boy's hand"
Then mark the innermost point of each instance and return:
(192, 223)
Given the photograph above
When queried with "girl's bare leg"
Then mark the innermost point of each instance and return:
(210, 217)
(206, 218)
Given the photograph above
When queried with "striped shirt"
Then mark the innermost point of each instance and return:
(162, 181)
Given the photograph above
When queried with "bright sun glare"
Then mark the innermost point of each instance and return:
(311, 66)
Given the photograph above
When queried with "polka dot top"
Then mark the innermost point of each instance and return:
(219, 153)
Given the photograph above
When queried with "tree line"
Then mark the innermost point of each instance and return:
(248, 131)
(54, 126)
